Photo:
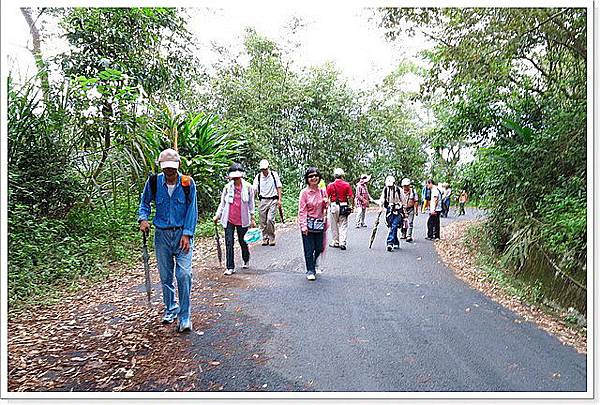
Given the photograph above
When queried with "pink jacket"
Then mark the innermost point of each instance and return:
(313, 203)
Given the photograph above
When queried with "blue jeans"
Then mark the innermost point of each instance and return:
(395, 221)
(313, 247)
(229, 250)
(171, 258)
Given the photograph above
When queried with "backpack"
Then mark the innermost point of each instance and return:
(153, 179)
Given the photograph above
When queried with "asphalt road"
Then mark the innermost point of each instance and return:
(377, 321)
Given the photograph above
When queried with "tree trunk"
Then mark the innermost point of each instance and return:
(37, 52)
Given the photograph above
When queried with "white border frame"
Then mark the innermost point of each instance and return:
(592, 181)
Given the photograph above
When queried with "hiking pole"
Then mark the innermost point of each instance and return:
(375, 229)
(219, 250)
(146, 257)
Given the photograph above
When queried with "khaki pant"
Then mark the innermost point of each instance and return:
(339, 225)
(360, 216)
(267, 209)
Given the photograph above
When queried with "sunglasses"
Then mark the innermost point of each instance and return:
(310, 176)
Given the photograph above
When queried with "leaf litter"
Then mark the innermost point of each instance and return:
(455, 254)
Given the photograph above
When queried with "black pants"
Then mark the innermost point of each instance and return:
(241, 231)
(462, 209)
(433, 226)
(313, 247)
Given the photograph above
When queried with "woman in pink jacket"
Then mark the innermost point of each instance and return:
(312, 218)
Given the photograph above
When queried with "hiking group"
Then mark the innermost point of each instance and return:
(321, 207)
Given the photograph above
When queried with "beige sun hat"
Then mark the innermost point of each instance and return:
(169, 158)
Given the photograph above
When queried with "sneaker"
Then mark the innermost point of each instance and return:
(409, 239)
(265, 242)
(428, 238)
(169, 318)
(390, 248)
(358, 226)
(311, 277)
(228, 272)
(185, 326)
(396, 246)
(436, 238)
(403, 237)
(343, 247)
(364, 225)
(319, 270)
(245, 265)
(272, 243)
(333, 245)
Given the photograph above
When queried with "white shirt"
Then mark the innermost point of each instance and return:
(268, 187)
(435, 192)
(170, 189)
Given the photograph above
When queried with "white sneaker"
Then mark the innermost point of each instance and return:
(319, 270)
(228, 272)
(311, 277)
(245, 265)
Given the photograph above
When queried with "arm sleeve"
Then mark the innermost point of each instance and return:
(191, 217)
(302, 212)
(255, 183)
(277, 180)
(251, 202)
(144, 209)
(222, 203)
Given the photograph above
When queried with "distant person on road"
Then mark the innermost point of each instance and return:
(236, 213)
(312, 219)
(267, 187)
(435, 210)
(442, 188)
(425, 196)
(391, 198)
(446, 200)
(175, 218)
(362, 200)
(341, 199)
(410, 204)
(462, 200)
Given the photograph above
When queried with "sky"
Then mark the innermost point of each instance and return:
(342, 35)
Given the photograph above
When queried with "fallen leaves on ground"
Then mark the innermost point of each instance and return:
(459, 258)
(106, 337)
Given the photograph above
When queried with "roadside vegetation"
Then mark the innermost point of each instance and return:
(84, 133)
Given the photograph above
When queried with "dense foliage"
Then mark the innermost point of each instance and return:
(85, 133)
(512, 83)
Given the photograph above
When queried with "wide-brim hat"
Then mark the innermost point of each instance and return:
(236, 174)
(390, 180)
(264, 164)
(365, 177)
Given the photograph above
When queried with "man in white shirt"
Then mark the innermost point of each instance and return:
(267, 186)
(435, 209)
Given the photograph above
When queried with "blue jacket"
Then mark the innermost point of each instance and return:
(171, 211)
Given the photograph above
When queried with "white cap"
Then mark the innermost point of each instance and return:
(390, 180)
(406, 181)
(169, 158)
(264, 164)
(338, 172)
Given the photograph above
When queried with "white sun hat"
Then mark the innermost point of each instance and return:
(169, 158)
(390, 180)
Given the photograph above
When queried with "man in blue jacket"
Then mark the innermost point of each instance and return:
(175, 220)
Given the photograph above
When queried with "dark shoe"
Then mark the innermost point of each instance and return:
(396, 246)
(390, 248)
(403, 237)
(436, 238)
(265, 242)
(409, 239)
(343, 247)
(428, 238)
